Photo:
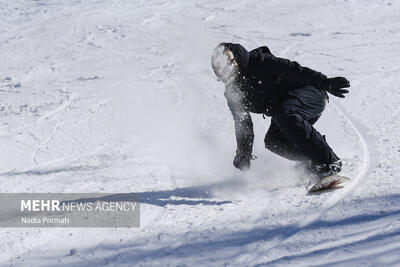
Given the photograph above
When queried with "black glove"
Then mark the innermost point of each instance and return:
(335, 85)
(242, 161)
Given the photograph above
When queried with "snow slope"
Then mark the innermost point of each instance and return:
(118, 96)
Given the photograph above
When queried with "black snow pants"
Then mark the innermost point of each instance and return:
(291, 133)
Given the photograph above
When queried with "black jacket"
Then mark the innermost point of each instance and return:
(264, 81)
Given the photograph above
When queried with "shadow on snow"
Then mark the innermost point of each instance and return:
(179, 196)
(226, 246)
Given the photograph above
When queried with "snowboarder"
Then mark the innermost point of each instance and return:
(293, 95)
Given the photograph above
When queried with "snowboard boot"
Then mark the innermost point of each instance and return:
(325, 170)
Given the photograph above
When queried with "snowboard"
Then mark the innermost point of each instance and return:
(331, 182)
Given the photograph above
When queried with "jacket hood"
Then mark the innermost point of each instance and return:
(241, 54)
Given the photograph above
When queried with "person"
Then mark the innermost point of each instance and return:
(292, 95)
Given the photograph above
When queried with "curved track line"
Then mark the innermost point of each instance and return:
(46, 141)
(336, 198)
(362, 169)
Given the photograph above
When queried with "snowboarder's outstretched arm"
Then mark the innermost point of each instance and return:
(243, 131)
(290, 70)
(294, 72)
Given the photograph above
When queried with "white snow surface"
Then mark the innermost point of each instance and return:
(119, 96)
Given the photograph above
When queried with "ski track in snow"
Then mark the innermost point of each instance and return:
(333, 200)
(119, 97)
(363, 168)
